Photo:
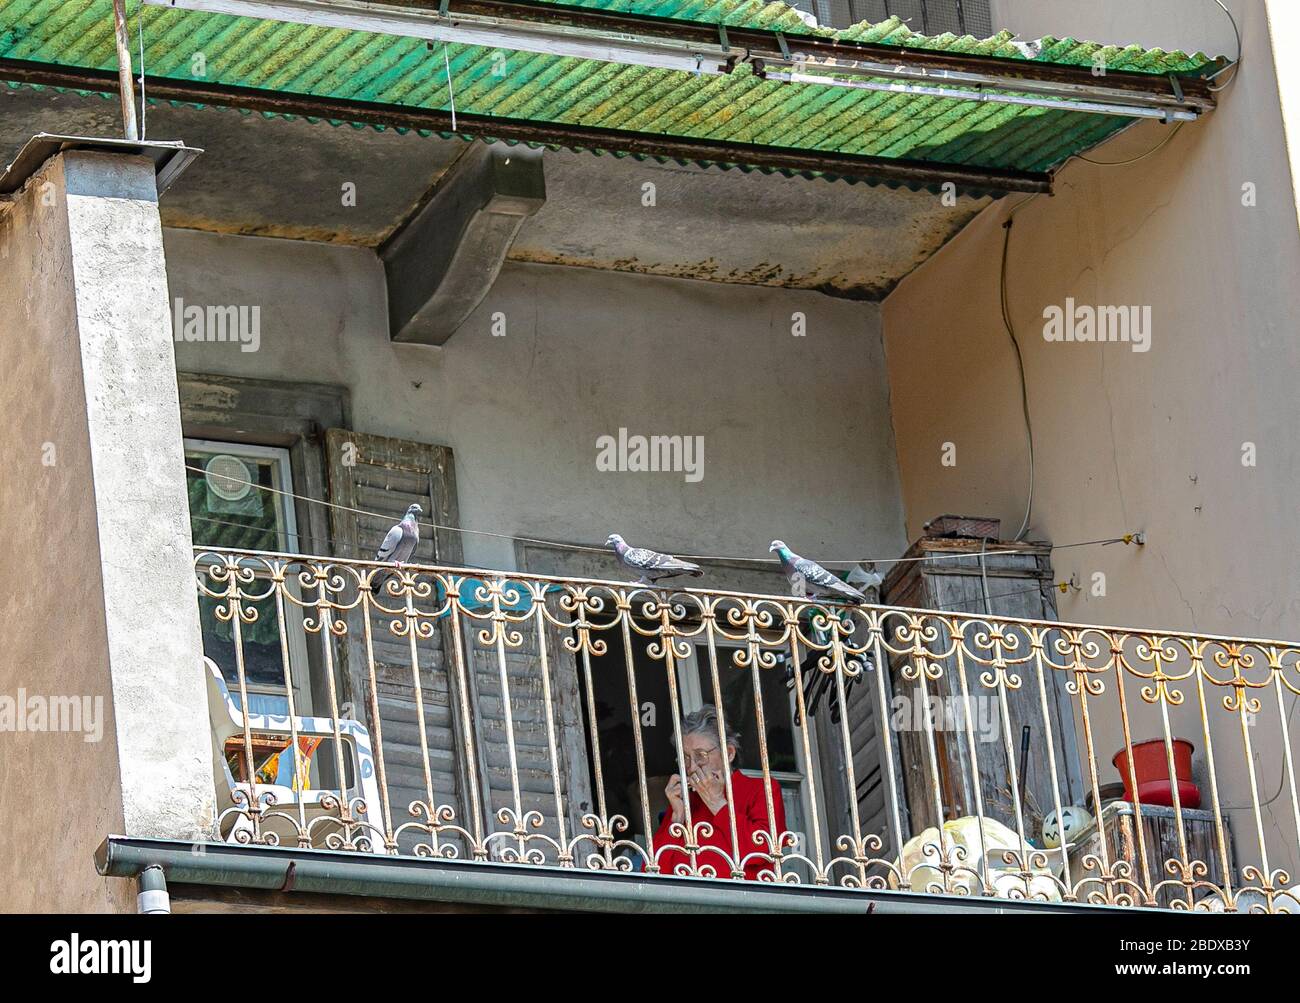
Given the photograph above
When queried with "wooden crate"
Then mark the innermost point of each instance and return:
(1160, 835)
(1019, 585)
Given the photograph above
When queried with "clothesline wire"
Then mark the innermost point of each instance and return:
(588, 548)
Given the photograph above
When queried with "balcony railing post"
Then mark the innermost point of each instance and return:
(469, 752)
(1120, 664)
(985, 879)
(299, 767)
(372, 702)
(564, 852)
(836, 654)
(1038, 643)
(753, 660)
(710, 624)
(1220, 834)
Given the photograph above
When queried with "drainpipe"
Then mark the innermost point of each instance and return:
(126, 88)
(153, 898)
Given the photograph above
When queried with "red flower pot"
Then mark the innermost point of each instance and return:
(1151, 767)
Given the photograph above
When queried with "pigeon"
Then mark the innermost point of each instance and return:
(399, 544)
(809, 576)
(652, 565)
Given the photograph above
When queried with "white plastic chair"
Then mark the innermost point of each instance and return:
(227, 722)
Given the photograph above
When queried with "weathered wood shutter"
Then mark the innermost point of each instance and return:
(385, 477)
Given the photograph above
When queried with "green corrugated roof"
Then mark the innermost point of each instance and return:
(737, 108)
(784, 18)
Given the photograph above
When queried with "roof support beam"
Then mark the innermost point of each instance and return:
(850, 167)
(443, 261)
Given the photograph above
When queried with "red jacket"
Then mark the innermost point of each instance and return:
(751, 817)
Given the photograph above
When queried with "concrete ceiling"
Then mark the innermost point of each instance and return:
(278, 178)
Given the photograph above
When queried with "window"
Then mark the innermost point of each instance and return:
(233, 503)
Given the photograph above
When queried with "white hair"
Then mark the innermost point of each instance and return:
(705, 722)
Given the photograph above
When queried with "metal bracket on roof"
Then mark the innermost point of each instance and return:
(442, 7)
(785, 46)
(1178, 87)
(722, 37)
(169, 158)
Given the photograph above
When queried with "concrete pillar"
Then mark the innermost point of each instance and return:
(97, 593)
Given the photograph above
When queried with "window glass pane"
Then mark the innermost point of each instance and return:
(227, 513)
(228, 508)
(737, 687)
(263, 664)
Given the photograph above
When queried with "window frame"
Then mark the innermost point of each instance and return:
(299, 658)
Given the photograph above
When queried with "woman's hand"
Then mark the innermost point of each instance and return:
(674, 792)
(711, 787)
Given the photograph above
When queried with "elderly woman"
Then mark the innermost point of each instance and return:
(707, 766)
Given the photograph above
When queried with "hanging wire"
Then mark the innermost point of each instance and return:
(139, 23)
(451, 93)
(590, 548)
(986, 599)
(1133, 160)
(1236, 64)
(1020, 368)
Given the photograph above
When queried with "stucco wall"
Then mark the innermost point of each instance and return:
(797, 440)
(1133, 441)
(103, 723)
(61, 794)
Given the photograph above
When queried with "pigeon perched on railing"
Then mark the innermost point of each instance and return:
(652, 565)
(808, 576)
(401, 541)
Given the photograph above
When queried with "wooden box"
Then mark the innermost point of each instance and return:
(1160, 838)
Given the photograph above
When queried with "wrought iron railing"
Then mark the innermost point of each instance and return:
(470, 715)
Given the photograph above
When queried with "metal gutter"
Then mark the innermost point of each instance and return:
(273, 868)
(847, 166)
(776, 46)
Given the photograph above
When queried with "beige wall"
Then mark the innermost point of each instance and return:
(61, 795)
(97, 600)
(1133, 441)
(796, 432)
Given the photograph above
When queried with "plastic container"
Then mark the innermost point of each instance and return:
(1151, 767)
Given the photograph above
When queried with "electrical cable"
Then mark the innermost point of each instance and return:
(1020, 366)
(1127, 538)
(451, 94)
(1236, 64)
(1143, 156)
(139, 24)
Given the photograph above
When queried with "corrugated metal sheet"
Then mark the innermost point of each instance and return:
(740, 107)
(781, 17)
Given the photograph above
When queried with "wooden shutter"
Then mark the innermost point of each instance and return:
(384, 476)
(387, 475)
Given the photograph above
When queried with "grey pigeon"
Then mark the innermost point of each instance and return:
(400, 543)
(652, 565)
(809, 576)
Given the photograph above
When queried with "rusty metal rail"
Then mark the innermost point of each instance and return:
(488, 698)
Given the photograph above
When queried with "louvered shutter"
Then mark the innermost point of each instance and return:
(385, 477)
